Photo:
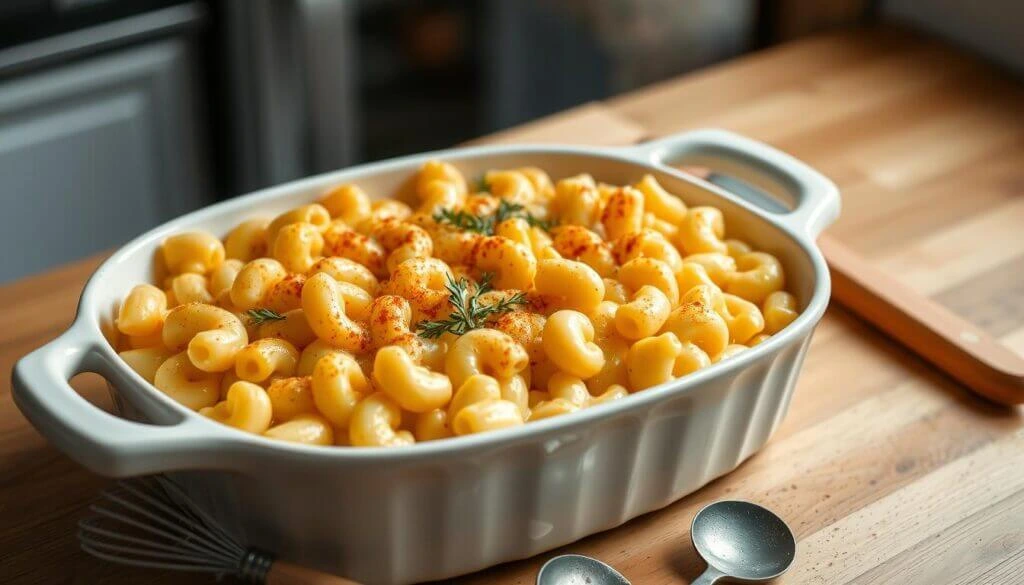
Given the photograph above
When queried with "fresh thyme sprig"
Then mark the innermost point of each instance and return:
(544, 224)
(261, 316)
(481, 184)
(468, 313)
(507, 210)
(485, 224)
(465, 221)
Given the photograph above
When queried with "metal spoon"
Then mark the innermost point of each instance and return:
(741, 541)
(578, 570)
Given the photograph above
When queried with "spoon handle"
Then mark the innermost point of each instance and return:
(708, 577)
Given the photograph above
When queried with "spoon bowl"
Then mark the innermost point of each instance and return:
(578, 570)
(742, 541)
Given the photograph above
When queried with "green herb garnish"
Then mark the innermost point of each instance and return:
(465, 221)
(508, 210)
(485, 224)
(481, 184)
(261, 316)
(468, 313)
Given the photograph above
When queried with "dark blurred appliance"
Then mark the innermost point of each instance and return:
(319, 84)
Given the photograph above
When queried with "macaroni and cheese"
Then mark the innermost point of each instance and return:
(483, 305)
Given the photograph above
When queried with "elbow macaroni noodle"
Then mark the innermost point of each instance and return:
(598, 291)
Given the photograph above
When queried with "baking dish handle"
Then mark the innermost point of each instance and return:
(816, 202)
(104, 443)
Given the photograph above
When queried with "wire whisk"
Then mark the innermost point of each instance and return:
(151, 523)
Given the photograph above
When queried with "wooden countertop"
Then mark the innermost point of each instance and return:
(886, 470)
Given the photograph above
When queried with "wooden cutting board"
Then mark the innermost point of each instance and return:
(887, 470)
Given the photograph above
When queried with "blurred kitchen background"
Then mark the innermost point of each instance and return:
(116, 115)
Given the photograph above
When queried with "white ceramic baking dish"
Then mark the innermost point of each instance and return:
(435, 510)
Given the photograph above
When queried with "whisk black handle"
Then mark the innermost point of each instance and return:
(254, 567)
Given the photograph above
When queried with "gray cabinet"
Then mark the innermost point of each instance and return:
(95, 152)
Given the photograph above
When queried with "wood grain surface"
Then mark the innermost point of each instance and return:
(887, 470)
